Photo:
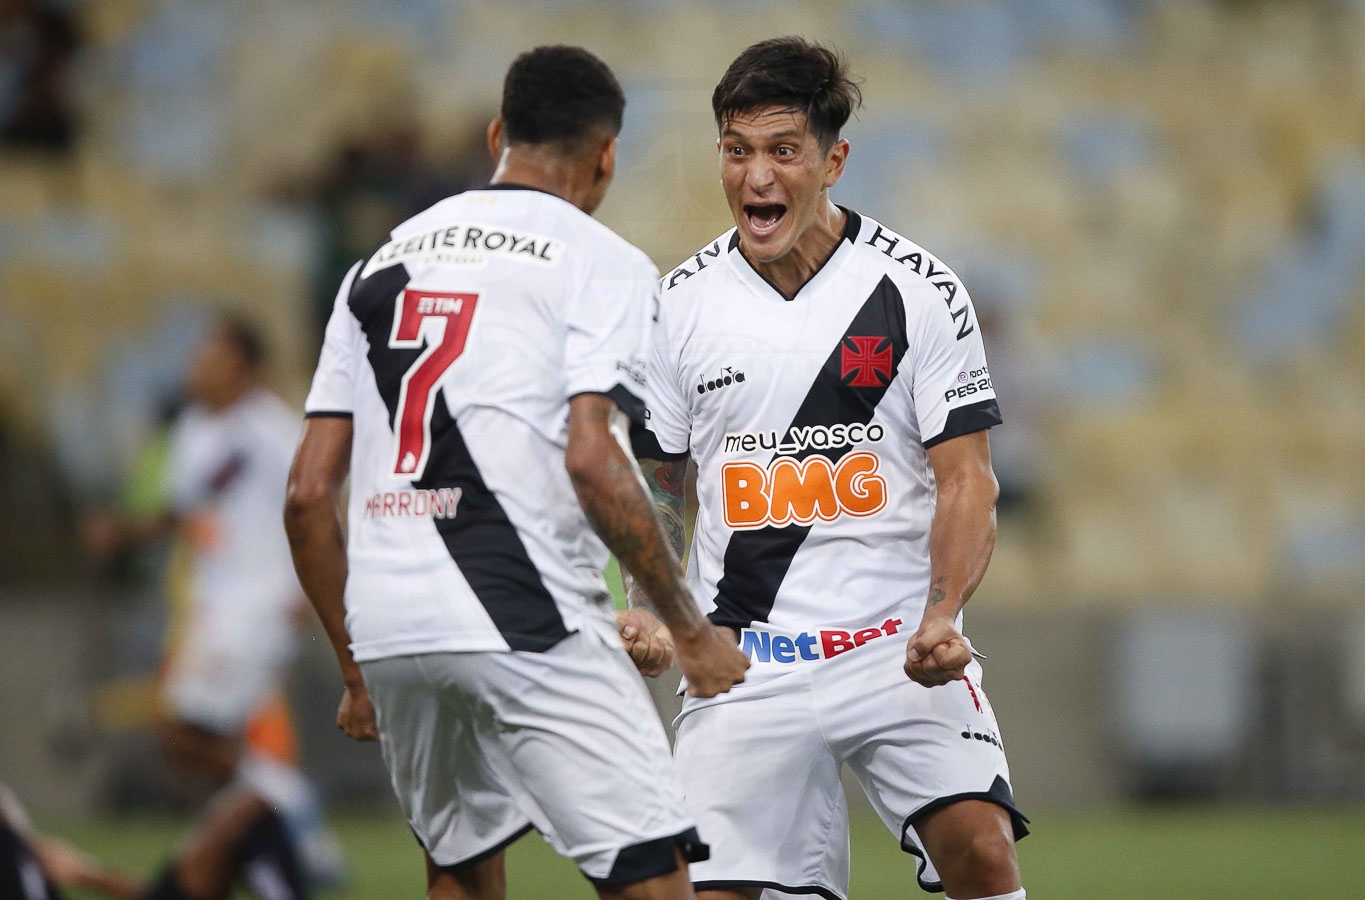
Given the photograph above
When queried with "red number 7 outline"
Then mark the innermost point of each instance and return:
(441, 322)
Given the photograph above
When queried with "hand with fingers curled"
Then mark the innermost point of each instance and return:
(355, 714)
(937, 653)
(647, 641)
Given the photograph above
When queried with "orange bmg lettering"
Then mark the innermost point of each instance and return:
(789, 491)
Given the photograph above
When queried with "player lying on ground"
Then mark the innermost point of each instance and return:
(238, 841)
(828, 378)
(474, 385)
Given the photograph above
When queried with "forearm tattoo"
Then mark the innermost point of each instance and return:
(665, 481)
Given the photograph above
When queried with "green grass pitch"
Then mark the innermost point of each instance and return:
(1200, 854)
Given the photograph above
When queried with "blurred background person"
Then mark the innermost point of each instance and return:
(225, 467)
(238, 839)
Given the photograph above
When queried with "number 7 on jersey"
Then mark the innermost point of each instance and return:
(441, 322)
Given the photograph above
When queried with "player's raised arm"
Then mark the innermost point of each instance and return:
(312, 519)
(608, 485)
(960, 544)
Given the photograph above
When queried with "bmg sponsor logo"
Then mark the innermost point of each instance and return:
(787, 491)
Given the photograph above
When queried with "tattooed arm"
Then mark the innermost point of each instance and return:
(665, 483)
(609, 486)
(312, 519)
(960, 543)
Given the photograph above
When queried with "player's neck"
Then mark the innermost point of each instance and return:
(569, 180)
(790, 272)
(230, 397)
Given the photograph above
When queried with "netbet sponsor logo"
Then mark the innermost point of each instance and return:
(827, 643)
(969, 383)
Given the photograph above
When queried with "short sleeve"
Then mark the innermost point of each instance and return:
(668, 418)
(333, 390)
(607, 326)
(185, 465)
(952, 382)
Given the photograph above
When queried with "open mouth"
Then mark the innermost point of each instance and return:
(764, 217)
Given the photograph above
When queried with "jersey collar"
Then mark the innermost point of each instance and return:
(513, 186)
(853, 223)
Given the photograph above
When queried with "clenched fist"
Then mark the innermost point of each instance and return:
(937, 654)
(647, 640)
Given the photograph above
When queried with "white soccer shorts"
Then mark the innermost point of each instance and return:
(218, 677)
(480, 747)
(761, 767)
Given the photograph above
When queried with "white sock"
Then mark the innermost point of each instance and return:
(1016, 895)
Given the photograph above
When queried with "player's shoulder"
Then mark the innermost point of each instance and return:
(916, 272)
(606, 246)
(698, 274)
(269, 408)
(585, 237)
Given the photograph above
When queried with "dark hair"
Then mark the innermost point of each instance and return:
(562, 95)
(245, 337)
(790, 73)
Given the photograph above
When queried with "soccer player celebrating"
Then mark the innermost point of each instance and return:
(475, 383)
(828, 377)
(226, 466)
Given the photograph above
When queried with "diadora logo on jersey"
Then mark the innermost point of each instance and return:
(827, 643)
(465, 245)
(807, 437)
(727, 376)
(865, 361)
(788, 491)
(924, 264)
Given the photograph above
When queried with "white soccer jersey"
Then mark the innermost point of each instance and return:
(227, 472)
(809, 420)
(456, 348)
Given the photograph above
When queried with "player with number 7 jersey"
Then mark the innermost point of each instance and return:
(455, 346)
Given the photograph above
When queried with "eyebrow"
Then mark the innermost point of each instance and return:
(780, 136)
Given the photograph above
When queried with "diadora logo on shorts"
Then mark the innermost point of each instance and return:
(727, 376)
(827, 643)
(789, 492)
(865, 361)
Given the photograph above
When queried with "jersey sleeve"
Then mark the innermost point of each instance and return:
(952, 382)
(607, 325)
(333, 390)
(185, 468)
(668, 419)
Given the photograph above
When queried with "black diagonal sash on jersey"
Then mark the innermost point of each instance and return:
(481, 539)
(757, 561)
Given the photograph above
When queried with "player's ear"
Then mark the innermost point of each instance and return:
(606, 161)
(834, 162)
(495, 138)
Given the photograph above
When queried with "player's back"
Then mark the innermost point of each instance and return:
(462, 340)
